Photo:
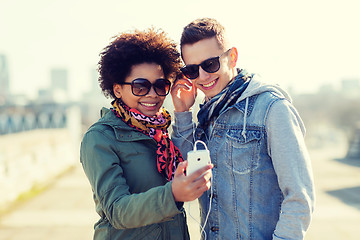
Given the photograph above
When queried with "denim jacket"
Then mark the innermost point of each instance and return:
(262, 177)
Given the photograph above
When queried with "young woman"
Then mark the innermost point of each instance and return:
(136, 173)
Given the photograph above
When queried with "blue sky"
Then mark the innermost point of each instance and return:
(299, 44)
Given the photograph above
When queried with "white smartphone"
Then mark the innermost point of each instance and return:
(196, 160)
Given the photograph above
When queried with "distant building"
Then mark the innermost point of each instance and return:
(354, 145)
(94, 81)
(4, 80)
(58, 90)
(45, 96)
(326, 89)
(93, 100)
(59, 85)
(350, 87)
(59, 79)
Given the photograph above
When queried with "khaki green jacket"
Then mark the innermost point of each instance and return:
(132, 198)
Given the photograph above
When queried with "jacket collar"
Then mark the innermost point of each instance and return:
(123, 132)
(241, 105)
(109, 118)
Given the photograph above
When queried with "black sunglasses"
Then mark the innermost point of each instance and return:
(210, 65)
(142, 86)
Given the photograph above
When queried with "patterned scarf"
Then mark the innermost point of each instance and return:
(168, 155)
(212, 108)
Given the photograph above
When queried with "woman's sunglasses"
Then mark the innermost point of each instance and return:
(210, 65)
(142, 86)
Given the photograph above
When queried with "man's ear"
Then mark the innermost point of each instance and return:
(233, 57)
(116, 89)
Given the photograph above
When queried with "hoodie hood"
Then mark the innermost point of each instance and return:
(256, 86)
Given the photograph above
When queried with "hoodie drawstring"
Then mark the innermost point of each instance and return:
(243, 133)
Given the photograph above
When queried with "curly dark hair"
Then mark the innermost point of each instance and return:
(133, 48)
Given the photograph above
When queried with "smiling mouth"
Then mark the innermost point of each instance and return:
(149, 104)
(210, 83)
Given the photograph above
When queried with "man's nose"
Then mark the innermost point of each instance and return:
(203, 75)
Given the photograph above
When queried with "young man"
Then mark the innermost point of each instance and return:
(262, 177)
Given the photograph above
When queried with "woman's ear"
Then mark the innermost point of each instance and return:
(117, 90)
(233, 57)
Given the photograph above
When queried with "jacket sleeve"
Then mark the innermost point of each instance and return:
(292, 165)
(111, 192)
(183, 132)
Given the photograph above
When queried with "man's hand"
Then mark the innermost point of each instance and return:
(183, 93)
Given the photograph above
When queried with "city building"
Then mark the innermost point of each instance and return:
(93, 101)
(59, 85)
(350, 87)
(4, 80)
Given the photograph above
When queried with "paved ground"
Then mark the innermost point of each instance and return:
(337, 214)
(66, 210)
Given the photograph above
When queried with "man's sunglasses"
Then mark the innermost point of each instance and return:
(210, 65)
(142, 86)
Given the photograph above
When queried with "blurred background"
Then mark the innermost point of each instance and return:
(49, 96)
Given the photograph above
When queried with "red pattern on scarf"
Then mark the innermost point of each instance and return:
(168, 155)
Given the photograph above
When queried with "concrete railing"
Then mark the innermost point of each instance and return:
(354, 144)
(30, 120)
(35, 157)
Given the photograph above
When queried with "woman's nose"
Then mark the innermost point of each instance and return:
(152, 92)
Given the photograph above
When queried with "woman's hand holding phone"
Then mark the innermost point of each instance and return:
(190, 187)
